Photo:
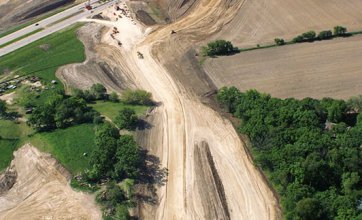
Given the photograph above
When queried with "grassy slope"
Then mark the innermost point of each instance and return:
(111, 109)
(68, 145)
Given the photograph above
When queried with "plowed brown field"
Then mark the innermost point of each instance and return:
(320, 69)
(263, 20)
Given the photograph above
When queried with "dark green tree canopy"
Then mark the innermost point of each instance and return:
(311, 150)
(218, 47)
(126, 119)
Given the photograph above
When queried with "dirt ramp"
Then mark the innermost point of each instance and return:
(41, 190)
(209, 184)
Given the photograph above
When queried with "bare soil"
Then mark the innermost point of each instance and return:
(42, 191)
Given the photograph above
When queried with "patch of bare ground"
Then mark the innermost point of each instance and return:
(259, 22)
(41, 190)
(320, 69)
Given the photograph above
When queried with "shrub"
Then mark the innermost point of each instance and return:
(218, 47)
(298, 39)
(113, 97)
(99, 91)
(339, 30)
(310, 35)
(127, 119)
(279, 41)
(325, 35)
(137, 97)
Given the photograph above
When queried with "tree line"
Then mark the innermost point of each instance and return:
(223, 47)
(310, 150)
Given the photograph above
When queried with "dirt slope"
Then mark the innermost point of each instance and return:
(41, 191)
(263, 20)
(237, 189)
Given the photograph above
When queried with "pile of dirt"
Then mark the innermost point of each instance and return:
(15, 12)
(42, 191)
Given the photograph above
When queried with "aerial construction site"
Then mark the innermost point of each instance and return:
(127, 109)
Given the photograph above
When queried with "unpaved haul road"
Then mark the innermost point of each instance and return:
(210, 173)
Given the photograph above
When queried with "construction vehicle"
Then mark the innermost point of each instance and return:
(88, 5)
(140, 55)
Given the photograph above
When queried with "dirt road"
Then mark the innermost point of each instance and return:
(41, 191)
(210, 173)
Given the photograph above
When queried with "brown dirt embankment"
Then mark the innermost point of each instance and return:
(42, 191)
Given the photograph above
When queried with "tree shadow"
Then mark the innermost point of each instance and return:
(143, 125)
(152, 175)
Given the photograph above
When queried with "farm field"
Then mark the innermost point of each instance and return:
(320, 69)
(260, 22)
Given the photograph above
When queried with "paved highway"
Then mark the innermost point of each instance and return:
(51, 25)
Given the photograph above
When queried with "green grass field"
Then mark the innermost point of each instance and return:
(111, 109)
(68, 145)
(64, 48)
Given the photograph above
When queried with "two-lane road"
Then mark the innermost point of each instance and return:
(51, 25)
